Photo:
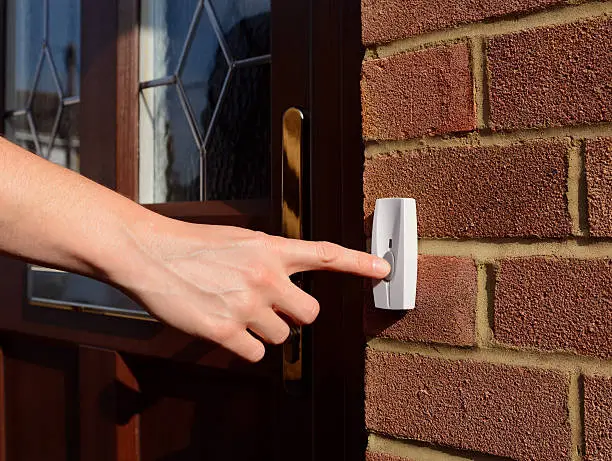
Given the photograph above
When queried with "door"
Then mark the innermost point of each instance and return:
(197, 109)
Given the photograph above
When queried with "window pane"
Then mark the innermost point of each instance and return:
(42, 77)
(245, 25)
(45, 106)
(173, 169)
(64, 147)
(201, 61)
(25, 33)
(17, 129)
(164, 26)
(215, 100)
(65, 43)
(238, 155)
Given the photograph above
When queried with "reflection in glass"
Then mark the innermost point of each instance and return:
(24, 37)
(65, 43)
(197, 69)
(173, 170)
(17, 129)
(56, 288)
(245, 25)
(45, 107)
(238, 154)
(164, 26)
(64, 148)
(42, 77)
(219, 99)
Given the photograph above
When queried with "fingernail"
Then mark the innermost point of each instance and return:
(381, 267)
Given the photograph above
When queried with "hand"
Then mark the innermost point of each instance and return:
(217, 282)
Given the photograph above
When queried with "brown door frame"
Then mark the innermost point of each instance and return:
(337, 165)
(330, 47)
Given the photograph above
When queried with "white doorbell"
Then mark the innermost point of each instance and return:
(394, 238)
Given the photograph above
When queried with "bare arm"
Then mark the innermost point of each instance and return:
(210, 281)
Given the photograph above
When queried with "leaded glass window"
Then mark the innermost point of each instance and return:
(42, 76)
(204, 100)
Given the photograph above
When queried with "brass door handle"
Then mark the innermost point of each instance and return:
(293, 227)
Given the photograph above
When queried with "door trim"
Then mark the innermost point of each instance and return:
(337, 216)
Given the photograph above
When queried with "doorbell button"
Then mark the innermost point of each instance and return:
(391, 260)
(394, 238)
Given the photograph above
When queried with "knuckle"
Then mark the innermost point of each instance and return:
(260, 274)
(224, 332)
(247, 305)
(327, 252)
(262, 240)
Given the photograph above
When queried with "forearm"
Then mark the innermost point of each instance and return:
(216, 282)
(55, 217)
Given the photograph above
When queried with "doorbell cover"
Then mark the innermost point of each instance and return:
(394, 238)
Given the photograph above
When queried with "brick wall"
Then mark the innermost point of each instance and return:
(496, 115)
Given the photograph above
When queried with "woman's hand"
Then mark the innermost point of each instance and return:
(217, 282)
(213, 282)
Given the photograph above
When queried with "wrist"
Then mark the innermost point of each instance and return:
(122, 256)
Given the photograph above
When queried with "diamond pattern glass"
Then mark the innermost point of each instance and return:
(65, 43)
(42, 75)
(237, 156)
(17, 129)
(245, 25)
(45, 106)
(65, 146)
(175, 166)
(167, 23)
(197, 69)
(25, 35)
(220, 84)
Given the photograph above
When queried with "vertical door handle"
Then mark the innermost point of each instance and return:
(293, 227)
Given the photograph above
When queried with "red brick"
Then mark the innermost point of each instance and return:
(599, 186)
(514, 412)
(421, 93)
(551, 76)
(387, 20)
(511, 191)
(555, 305)
(598, 418)
(373, 456)
(445, 306)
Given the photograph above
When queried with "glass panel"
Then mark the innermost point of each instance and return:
(170, 171)
(18, 130)
(42, 49)
(204, 67)
(65, 43)
(245, 25)
(57, 288)
(24, 34)
(45, 107)
(218, 103)
(64, 149)
(164, 28)
(238, 155)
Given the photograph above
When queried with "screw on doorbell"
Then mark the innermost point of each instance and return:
(394, 238)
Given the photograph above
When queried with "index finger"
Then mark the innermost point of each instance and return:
(301, 255)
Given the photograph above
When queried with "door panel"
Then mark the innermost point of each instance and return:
(215, 415)
(109, 420)
(121, 389)
(41, 412)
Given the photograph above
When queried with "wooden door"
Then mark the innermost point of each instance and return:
(80, 385)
